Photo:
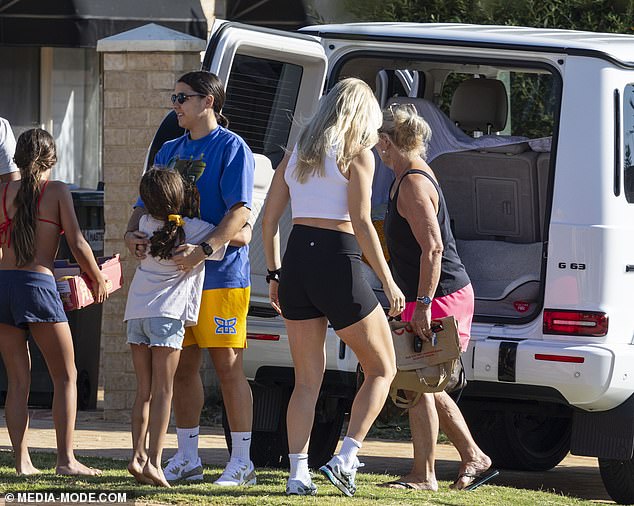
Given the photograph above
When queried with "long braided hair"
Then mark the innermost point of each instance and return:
(35, 153)
(167, 197)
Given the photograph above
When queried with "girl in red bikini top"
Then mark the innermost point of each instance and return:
(35, 211)
(6, 225)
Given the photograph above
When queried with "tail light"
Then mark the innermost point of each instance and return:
(571, 359)
(264, 337)
(576, 323)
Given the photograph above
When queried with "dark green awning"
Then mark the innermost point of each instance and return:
(81, 23)
(280, 14)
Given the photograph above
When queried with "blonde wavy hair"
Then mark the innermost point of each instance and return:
(346, 123)
(409, 132)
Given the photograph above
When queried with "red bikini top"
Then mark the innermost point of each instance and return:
(7, 224)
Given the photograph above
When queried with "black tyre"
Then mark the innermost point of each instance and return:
(520, 441)
(326, 431)
(618, 478)
(269, 448)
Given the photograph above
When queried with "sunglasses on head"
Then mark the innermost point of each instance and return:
(181, 98)
(393, 108)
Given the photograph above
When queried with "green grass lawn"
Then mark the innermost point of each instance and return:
(270, 489)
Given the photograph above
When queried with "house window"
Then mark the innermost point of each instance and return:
(75, 115)
(261, 100)
(20, 87)
(57, 89)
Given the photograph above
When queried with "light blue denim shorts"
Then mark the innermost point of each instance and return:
(156, 331)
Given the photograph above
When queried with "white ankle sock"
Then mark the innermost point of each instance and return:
(241, 446)
(188, 442)
(348, 452)
(299, 467)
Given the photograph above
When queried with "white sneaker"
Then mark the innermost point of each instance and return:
(178, 468)
(238, 472)
(341, 478)
(297, 487)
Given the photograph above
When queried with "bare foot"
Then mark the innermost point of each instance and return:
(469, 471)
(412, 482)
(135, 468)
(155, 474)
(76, 468)
(26, 469)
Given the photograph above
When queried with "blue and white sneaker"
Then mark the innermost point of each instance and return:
(341, 478)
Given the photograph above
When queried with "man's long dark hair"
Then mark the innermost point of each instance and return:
(207, 83)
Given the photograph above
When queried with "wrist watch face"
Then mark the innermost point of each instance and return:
(424, 300)
(207, 250)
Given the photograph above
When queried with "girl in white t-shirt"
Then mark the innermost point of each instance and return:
(162, 301)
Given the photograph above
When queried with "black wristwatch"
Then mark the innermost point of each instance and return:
(273, 275)
(207, 250)
(424, 300)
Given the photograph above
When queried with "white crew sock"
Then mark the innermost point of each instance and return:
(188, 443)
(241, 446)
(348, 452)
(299, 467)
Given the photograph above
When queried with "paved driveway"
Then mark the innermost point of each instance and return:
(575, 476)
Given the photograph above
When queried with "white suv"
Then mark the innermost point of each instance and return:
(533, 139)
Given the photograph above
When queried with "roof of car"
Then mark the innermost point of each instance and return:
(617, 46)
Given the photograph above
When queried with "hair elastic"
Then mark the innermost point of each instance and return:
(176, 218)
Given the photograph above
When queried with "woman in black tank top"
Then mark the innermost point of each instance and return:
(428, 269)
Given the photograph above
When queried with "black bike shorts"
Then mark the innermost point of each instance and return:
(322, 276)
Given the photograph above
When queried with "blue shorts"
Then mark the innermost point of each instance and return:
(156, 331)
(29, 297)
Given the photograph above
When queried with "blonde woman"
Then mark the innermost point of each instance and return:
(427, 267)
(328, 178)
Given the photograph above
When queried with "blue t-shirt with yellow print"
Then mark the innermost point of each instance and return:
(222, 165)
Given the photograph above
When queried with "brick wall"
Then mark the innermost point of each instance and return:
(136, 91)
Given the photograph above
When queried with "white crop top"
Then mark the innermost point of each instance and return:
(318, 197)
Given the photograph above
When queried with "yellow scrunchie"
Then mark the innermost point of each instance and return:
(176, 218)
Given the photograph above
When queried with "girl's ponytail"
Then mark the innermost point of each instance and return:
(163, 193)
(35, 153)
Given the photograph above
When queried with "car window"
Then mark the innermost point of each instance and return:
(261, 100)
(628, 142)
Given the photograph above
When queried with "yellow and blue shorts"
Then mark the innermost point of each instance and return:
(222, 322)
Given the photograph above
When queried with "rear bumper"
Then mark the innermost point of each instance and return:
(592, 377)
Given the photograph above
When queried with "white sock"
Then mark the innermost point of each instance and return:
(188, 442)
(348, 452)
(299, 467)
(241, 446)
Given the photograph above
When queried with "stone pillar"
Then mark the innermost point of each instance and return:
(140, 68)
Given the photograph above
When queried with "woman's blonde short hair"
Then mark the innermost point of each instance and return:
(409, 132)
(346, 122)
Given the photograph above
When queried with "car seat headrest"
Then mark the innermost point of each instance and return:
(480, 104)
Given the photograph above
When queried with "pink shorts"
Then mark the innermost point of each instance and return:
(459, 304)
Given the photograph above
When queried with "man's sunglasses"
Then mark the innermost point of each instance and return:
(181, 98)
